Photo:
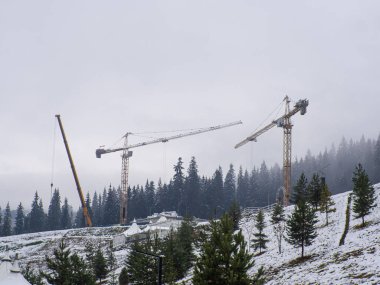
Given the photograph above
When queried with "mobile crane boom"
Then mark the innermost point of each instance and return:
(285, 123)
(79, 189)
(127, 154)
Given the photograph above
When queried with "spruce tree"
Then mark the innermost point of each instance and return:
(229, 188)
(278, 222)
(314, 190)
(363, 194)
(191, 198)
(66, 217)
(124, 277)
(300, 193)
(99, 265)
(223, 258)
(235, 214)
(242, 188)
(54, 212)
(300, 227)
(32, 277)
(111, 265)
(260, 240)
(326, 203)
(19, 228)
(111, 208)
(66, 268)
(142, 269)
(88, 205)
(149, 197)
(7, 226)
(36, 220)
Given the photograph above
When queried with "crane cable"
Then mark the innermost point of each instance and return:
(53, 159)
(278, 108)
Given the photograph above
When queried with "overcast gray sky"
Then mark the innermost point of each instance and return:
(109, 67)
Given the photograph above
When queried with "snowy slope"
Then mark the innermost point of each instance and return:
(356, 262)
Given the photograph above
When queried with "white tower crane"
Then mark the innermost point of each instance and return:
(127, 154)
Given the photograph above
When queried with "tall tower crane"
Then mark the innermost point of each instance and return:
(285, 123)
(127, 154)
(79, 189)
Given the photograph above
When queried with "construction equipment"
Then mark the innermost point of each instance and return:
(285, 123)
(79, 189)
(127, 154)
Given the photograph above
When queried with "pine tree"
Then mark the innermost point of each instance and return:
(7, 226)
(79, 219)
(229, 188)
(19, 228)
(224, 258)
(260, 240)
(54, 212)
(111, 208)
(278, 222)
(235, 214)
(191, 197)
(66, 268)
(95, 210)
(314, 190)
(111, 265)
(242, 188)
(149, 197)
(300, 227)
(364, 194)
(124, 277)
(184, 248)
(100, 265)
(376, 158)
(215, 193)
(32, 277)
(142, 269)
(177, 187)
(36, 220)
(300, 190)
(66, 217)
(88, 205)
(326, 203)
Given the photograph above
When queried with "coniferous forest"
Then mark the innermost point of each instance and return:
(192, 194)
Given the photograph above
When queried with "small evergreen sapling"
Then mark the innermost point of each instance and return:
(260, 240)
(326, 203)
(278, 222)
(300, 227)
(363, 194)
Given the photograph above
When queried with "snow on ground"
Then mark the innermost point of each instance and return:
(356, 262)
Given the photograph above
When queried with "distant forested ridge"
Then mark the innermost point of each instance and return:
(191, 194)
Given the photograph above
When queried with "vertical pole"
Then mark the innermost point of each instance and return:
(287, 155)
(124, 182)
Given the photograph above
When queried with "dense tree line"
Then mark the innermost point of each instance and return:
(191, 194)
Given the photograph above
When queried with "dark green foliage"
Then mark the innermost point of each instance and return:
(326, 203)
(66, 268)
(242, 188)
(111, 208)
(260, 240)
(7, 225)
(314, 190)
(363, 194)
(99, 265)
(347, 223)
(176, 189)
(278, 222)
(88, 205)
(123, 277)
(111, 265)
(32, 277)
(79, 219)
(36, 215)
(300, 227)
(235, 214)
(229, 188)
(142, 269)
(192, 191)
(66, 217)
(376, 158)
(224, 258)
(300, 193)
(149, 197)
(54, 212)
(19, 228)
(214, 194)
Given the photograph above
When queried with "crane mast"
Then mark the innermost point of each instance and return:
(79, 189)
(127, 154)
(285, 123)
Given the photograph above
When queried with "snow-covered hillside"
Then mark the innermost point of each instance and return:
(356, 262)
